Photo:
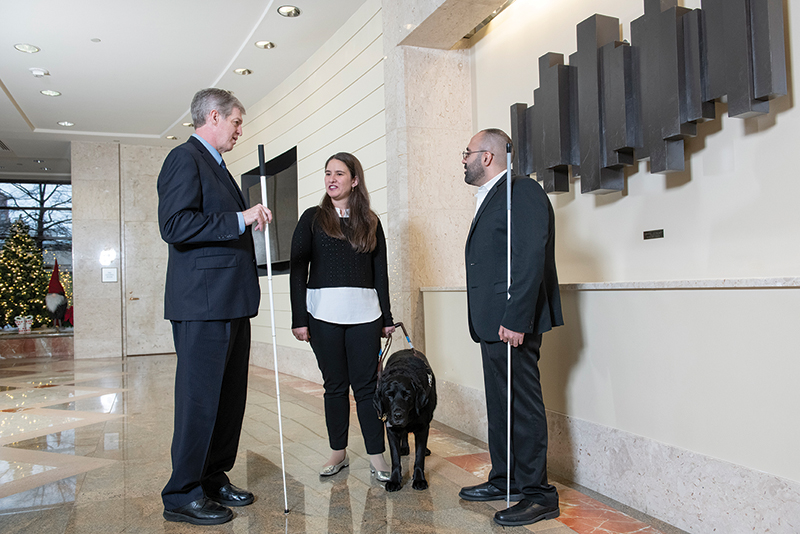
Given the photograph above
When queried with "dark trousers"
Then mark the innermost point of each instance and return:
(528, 421)
(210, 397)
(347, 355)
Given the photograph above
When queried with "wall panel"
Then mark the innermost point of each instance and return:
(332, 103)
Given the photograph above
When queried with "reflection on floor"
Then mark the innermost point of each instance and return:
(85, 448)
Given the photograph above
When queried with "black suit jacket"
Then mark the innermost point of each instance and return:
(535, 303)
(211, 272)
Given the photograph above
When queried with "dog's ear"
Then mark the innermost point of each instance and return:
(377, 401)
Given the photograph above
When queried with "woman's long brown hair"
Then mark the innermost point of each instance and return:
(363, 221)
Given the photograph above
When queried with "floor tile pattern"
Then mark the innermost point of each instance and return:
(89, 452)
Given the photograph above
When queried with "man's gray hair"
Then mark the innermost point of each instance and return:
(206, 100)
(497, 140)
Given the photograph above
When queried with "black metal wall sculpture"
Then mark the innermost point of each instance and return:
(616, 103)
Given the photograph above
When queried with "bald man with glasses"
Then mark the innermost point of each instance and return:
(495, 320)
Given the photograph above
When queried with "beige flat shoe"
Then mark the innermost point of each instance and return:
(329, 470)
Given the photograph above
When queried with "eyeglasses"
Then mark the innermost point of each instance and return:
(466, 153)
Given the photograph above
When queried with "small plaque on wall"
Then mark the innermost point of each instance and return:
(653, 234)
(109, 274)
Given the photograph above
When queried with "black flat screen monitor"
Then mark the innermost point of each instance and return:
(281, 173)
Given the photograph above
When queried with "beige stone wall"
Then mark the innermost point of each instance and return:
(96, 228)
(115, 207)
(428, 124)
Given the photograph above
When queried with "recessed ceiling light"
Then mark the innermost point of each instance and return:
(39, 72)
(50, 92)
(45, 168)
(289, 11)
(188, 124)
(171, 137)
(27, 48)
(38, 161)
(66, 123)
(95, 40)
(266, 45)
(243, 72)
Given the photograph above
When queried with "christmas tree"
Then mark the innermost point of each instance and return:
(23, 280)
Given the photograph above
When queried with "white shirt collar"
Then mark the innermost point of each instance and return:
(485, 188)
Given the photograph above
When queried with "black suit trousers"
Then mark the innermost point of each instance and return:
(210, 398)
(347, 355)
(528, 420)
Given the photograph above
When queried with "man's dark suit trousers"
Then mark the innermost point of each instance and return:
(528, 420)
(210, 398)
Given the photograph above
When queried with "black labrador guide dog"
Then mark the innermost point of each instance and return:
(405, 399)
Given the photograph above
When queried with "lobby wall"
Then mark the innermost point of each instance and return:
(333, 103)
(671, 388)
(114, 209)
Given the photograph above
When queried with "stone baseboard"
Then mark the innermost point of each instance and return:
(691, 491)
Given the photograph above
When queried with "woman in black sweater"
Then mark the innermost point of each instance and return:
(340, 304)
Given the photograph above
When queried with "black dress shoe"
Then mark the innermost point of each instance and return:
(525, 512)
(230, 495)
(487, 492)
(200, 512)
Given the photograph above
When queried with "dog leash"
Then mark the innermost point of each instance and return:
(382, 356)
(387, 345)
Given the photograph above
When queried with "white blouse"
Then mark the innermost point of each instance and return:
(343, 305)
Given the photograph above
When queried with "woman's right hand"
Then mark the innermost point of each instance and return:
(301, 334)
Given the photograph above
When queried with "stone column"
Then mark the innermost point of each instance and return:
(428, 123)
(95, 228)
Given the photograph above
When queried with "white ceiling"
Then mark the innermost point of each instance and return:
(135, 85)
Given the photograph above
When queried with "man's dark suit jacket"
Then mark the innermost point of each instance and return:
(211, 273)
(535, 304)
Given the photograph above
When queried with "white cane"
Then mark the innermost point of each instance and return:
(508, 296)
(263, 171)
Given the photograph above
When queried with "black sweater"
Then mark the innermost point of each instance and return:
(334, 263)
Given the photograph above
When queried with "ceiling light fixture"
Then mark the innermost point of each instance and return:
(39, 72)
(188, 124)
(27, 48)
(94, 40)
(66, 123)
(45, 168)
(266, 45)
(38, 161)
(171, 137)
(243, 72)
(50, 92)
(289, 11)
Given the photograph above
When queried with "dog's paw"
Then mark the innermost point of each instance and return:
(420, 484)
(393, 486)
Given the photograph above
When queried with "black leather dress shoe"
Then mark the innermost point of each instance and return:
(230, 495)
(200, 512)
(525, 512)
(487, 492)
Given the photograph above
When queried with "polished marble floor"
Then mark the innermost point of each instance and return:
(84, 448)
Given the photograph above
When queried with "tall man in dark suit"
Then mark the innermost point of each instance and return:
(495, 320)
(211, 293)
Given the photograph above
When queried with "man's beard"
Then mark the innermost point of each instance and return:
(474, 172)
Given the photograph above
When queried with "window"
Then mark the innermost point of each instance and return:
(47, 210)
